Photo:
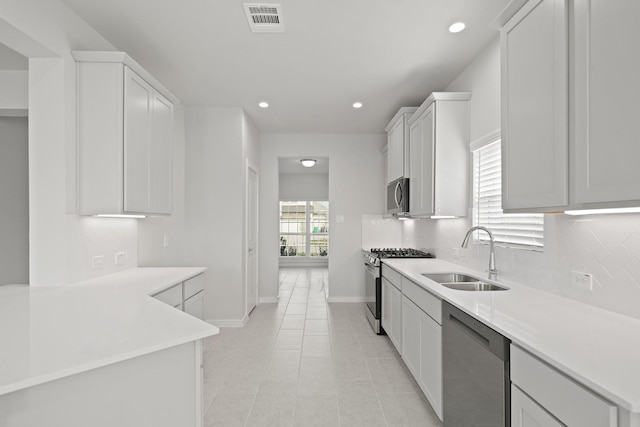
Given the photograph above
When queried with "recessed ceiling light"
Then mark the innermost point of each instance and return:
(457, 27)
(263, 104)
(357, 105)
(308, 163)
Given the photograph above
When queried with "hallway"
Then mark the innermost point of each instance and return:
(305, 362)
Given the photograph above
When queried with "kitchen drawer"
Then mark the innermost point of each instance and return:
(193, 286)
(392, 276)
(427, 302)
(171, 296)
(570, 402)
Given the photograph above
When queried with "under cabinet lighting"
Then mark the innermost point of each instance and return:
(442, 217)
(119, 216)
(603, 211)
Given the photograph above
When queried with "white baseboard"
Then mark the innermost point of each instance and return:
(269, 300)
(346, 299)
(229, 323)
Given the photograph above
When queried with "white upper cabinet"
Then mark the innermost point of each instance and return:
(534, 106)
(398, 144)
(569, 102)
(439, 160)
(606, 61)
(124, 137)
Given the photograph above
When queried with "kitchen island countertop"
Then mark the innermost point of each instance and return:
(47, 333)
(596, 347)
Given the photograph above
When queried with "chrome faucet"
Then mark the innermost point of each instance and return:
(493, 272)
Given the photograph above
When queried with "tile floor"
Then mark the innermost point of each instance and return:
(306, 362)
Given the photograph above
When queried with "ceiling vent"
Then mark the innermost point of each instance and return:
(264, 18)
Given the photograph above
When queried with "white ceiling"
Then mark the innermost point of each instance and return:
(384, 53)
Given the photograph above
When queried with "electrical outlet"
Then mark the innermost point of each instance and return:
(456, 253)
(165, 240)
(119, 258)
(97, 262)
(582, 280)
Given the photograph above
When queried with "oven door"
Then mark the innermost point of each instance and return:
(373, 294)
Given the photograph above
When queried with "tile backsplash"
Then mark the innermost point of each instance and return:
(606, 246)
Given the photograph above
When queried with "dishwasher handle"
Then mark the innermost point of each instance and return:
(478, 331)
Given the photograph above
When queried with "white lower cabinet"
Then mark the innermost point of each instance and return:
(553, 399)
(422, 349)
(187, 296)
(195, 305)
(527, 413)
(392, 313)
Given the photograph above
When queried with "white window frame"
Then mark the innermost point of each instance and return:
(519, 231)
(308, 233)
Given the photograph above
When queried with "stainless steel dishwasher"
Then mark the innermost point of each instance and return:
(475, 369)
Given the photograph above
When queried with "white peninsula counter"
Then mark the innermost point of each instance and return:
(101, 353)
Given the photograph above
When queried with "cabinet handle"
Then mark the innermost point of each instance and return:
(398, 199)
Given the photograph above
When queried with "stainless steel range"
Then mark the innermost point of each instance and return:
(373, 279)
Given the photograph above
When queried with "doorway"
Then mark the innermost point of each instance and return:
(303, 213)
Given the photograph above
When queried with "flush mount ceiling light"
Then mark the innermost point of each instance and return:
(457, 27)
(263, 104)
(357, 105)
(308, 163)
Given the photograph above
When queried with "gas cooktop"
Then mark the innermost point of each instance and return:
(400, 253)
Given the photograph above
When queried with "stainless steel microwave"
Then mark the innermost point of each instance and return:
(398, 196)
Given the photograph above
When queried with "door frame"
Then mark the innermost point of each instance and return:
(251, 167)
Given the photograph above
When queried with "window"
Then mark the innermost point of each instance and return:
(513, 230)
(304, 228)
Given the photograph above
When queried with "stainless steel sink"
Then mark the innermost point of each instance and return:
(451, 278)
(463, 282)
(475, 286)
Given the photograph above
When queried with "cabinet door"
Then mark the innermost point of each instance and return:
(606, 62)
(392, 313)
(430, 379)
(527, 413)
(160, 155)
(411, 336)
(395, 151)
(534, 56)
(421, 142)
(138, 98)
(195, 305)
(385, 320)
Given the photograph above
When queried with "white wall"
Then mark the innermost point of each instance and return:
(13, 90)
(14, 193)
(606, 246)
(61, 244)
(295, 186)
(355, 176)
(218, 142)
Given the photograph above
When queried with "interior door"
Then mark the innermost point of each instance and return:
(251, 267)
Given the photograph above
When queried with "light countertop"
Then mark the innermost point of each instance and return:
(53, 332)
(598, 348)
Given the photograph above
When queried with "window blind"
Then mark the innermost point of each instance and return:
(523, 230)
